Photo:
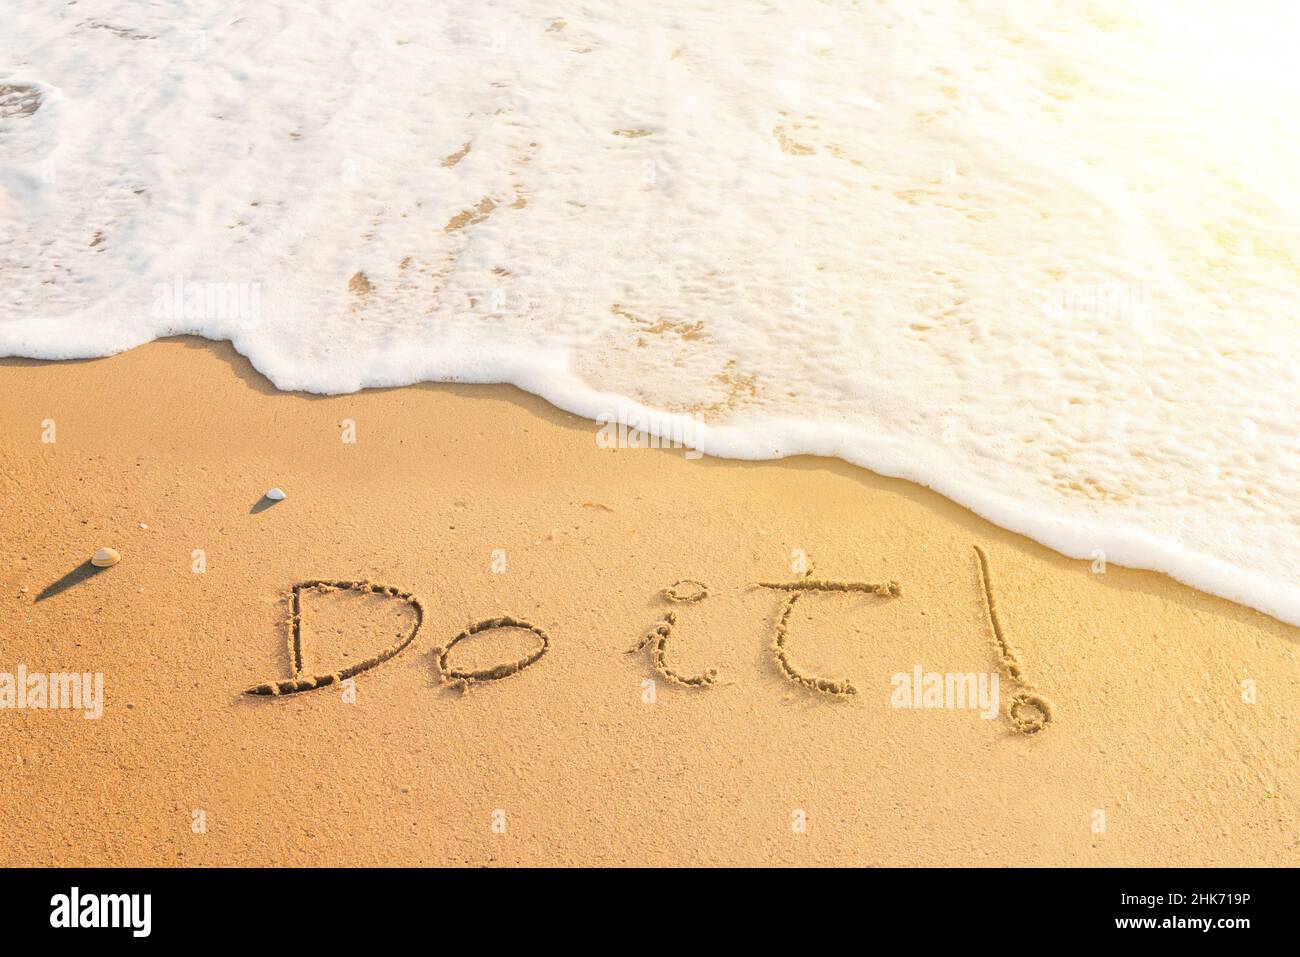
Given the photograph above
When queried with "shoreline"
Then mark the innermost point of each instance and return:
(1112, 544)
(1144, 674)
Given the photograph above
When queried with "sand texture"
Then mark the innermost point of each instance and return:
(532, 650)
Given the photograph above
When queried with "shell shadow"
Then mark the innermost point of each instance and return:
(75, 577)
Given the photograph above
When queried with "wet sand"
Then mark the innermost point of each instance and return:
(1173, 714)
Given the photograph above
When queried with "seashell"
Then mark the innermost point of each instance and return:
(105, 557)
(276, 494)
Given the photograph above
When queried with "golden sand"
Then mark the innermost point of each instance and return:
(521, 561)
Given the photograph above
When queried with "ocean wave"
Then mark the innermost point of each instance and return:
(1043, 259)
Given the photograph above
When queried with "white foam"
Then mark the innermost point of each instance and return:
(1043, 259)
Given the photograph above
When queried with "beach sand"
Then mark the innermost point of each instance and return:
(486, 502)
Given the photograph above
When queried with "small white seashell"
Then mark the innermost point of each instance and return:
(105, 557)
(275, 494)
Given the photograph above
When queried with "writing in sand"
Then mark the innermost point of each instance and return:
(1028, 711)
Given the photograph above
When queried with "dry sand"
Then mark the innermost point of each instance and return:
(1145, 675)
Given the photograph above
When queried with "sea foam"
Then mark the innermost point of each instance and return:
(1042, 258)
